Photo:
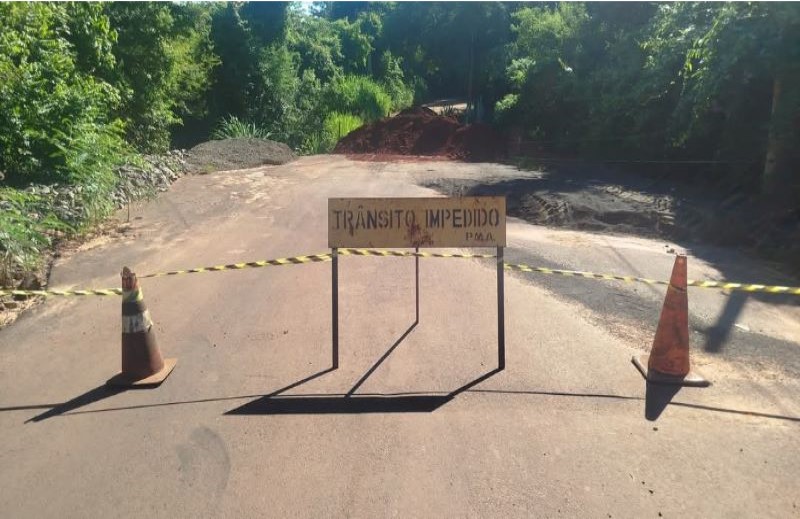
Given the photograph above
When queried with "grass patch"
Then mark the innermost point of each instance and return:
(233, 128)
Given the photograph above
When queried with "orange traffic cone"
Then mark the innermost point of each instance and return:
(142, 364)
(668, 361)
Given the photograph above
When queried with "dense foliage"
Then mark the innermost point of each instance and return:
(85, 85)
(689, 81)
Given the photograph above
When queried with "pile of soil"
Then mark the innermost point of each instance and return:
(227, 154)
(420, 131)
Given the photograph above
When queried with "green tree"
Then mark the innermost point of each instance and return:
(457, 48)
(744, 51)
(232, 79)
(163, 66)
(671, 81)
(48, 100)
(143, 68)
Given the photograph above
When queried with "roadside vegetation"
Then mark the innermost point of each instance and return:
(87, 87)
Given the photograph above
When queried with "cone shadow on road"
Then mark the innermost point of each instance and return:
(657, 397)
(95, 395)
(466, 388)
(68, 408)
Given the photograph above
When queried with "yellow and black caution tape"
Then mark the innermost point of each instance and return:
(324, 257)
(63, 293)
(579, 273)
(725, 285)
(751, 287)
(381, 252)
(296, 260)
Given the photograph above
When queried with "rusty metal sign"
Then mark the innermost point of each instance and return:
(470, 221)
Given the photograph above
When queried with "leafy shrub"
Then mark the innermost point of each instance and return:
(336, 126)
(26, 229)
(42, 89)
(164, 62)
(55, 123)
(358, 95)
(393, 79)
(505, 109)
(339, 124)
(233, 128)
(90, 158)
(275, 92)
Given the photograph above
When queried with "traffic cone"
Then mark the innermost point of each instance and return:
(668, 362)
(142, 364)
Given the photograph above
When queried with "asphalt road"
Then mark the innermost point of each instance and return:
(416, 421)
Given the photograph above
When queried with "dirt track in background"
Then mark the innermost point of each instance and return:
(640, 202)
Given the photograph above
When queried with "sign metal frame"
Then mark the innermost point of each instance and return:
(501, 332)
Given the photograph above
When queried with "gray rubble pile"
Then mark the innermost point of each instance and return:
(243, 153)
(136, 181)
(156, 174)
(152, 174)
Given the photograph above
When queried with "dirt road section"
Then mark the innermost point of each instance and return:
(416, 421)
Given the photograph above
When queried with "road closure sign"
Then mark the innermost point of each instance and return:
(470, 221)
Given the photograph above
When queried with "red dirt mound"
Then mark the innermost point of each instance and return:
(420, 131)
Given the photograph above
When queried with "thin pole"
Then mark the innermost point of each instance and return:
(501, 313)
(335, 305)
(417, 279)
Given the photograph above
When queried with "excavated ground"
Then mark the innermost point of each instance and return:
(422, 132)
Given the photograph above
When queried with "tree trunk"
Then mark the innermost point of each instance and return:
(470, 102)
(779, 180)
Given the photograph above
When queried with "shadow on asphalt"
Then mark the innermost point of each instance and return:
(375, 366)
(62, 410)
(718, 335)
(354, 404)
(104, 391)
(657, 398)
(95, 395)
(341, 405)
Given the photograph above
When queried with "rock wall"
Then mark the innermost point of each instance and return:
(154, 174)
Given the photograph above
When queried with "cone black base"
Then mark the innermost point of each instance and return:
(692, 379)
(123, 380)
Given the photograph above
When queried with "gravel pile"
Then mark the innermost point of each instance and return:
(230, 154)
(156, 174)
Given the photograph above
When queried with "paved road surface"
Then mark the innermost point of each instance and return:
(252, 422)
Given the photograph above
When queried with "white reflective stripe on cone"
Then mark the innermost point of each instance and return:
(136, 323)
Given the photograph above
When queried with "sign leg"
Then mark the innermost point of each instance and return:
(416, 258)
(501, 313)
(335, 305)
